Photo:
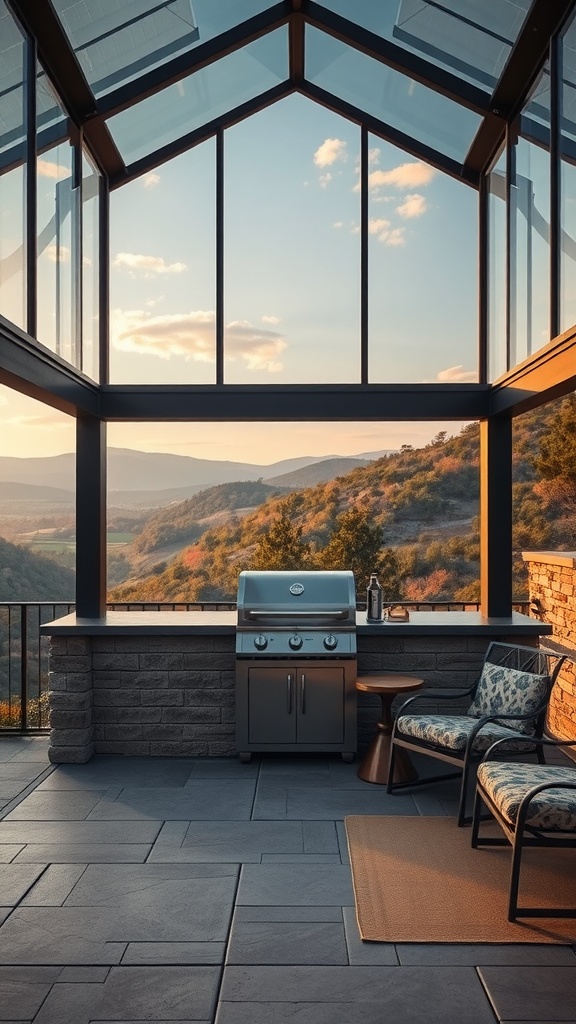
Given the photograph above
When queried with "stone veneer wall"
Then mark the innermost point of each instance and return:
(175, 695)
(552, 589)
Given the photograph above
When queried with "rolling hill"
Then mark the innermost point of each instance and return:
(29, 577)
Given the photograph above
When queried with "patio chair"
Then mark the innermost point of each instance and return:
(508, 701)
(535, 805)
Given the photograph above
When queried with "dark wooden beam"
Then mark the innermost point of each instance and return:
(549, 374)
(496, 516)
(90, 517)
(518, 76)
(327, 402)
(29, 367)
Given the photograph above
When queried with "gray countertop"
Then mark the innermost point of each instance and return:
(222, 623)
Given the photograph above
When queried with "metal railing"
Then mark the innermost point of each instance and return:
(24, 653)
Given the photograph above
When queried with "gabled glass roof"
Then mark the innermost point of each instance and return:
(151, 77)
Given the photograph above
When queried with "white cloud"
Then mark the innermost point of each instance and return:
(150, 303)
(325, 179)
(338, 224)
(50, 169)
(191, 336)
(413, 206)
(57, 253)
(151, 180)
(409, 175)
(330, 151)
(385, 233)
(149, 265)
(373, 156)
(273, 320)
(457, 375)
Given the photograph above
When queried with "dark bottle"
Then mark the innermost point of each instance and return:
(373, 600)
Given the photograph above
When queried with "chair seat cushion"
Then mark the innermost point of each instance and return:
(452, 732)
(509, 691)
(507, 784)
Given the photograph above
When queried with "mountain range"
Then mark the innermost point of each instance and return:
(157, 478)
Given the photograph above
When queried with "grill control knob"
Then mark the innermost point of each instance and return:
(260, 642)
(295, 642)
(330, 642)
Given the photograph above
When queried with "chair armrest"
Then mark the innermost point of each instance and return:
(435, 695)
(530, 741)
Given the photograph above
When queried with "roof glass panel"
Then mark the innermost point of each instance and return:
(393, 98)
(201, 97)
(12, 112)
(116, 41)
(470, 37)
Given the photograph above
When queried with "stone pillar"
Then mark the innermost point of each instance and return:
(552, 590)
(70, 684)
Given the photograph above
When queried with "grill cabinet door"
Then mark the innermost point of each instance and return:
(272, 705)
(320, 704)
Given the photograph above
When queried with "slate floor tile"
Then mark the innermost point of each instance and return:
(206, 799)
(82, 853)
(263, 942)
(413, 995)
(168, 993)
(337, 803)
(8, 851)
(235, 841)
(55, 806)
(288, 914)
(54, 935)
(16, 879)
(365, 954)
(104, 770)
(54, 886)
(521, 993)
(21, 1000)
(57, 832)
(172, 953)
(414, 953)
(295, 885)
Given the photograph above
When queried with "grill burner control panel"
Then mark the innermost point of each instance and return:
(277, 643)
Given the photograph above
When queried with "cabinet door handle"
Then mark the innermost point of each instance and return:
(302, 694)
(289, 693)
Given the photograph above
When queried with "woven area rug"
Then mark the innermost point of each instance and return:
(418, 880)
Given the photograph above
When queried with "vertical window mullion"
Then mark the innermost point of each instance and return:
(555, 183)
(364, 161)
(220, 257)
(31, 203)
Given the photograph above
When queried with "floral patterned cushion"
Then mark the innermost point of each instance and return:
(509, 691)
(452, 731)
(508, 783)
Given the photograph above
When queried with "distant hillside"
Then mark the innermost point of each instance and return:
(317, 473)
(28, 577)
(180, 523)
(425, 502)
(10, 491)
(130, 470)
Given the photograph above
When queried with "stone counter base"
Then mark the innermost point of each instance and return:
(175, 695)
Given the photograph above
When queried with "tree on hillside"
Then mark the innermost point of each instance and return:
(556, 459)
(356, 544)
(282, 547)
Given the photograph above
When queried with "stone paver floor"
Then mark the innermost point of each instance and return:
(206, 891)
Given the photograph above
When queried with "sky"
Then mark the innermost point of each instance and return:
(291, 285)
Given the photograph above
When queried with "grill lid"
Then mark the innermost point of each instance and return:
(287, 599)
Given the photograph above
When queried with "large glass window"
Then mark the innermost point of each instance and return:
(568, 185)
(292, 247)
(497, 343)
(90, 267)
(12, 171)
(163, 274)
(530, 227)
(57, 238)
(422, 284)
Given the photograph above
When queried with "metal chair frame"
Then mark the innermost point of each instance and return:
(527, 659)
(520, 835)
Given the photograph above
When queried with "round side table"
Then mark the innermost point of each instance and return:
(374, 764)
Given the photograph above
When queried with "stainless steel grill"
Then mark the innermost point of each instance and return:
(296, 662)
(308, 614)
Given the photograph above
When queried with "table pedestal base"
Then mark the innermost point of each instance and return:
(374, 764)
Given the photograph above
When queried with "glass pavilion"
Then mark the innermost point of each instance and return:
(95, 95)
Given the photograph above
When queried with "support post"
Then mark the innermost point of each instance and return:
(496, 516)
(90, 517)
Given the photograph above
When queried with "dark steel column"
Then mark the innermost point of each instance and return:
(496, 516)
(90, 517)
